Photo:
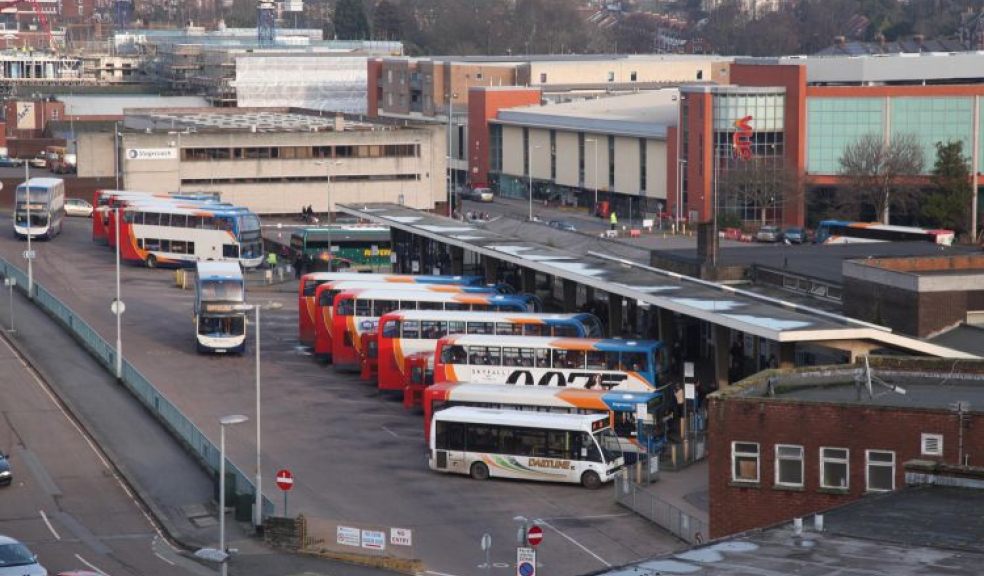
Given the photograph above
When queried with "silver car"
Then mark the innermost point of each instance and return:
(480, 194)
(17, 560)
(77, 207)
(769, 234)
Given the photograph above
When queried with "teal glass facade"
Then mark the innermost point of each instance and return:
(833, 124)
(932, 120)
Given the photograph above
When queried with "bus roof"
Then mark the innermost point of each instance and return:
(219, 270)
(382, 277)
(543, 395)
(479, 316)
(552, 420)
(43, 182)
(603, 344)
(349, 285)
(425, 296)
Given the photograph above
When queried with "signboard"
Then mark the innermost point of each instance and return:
(294, 6)
(25, 116)
(347, 536)
(642, 412)
(151, 153)
(688, 369)
(525, 562)
(534, 536)
(401, 537)
(689, 391)
(373, 540)
(415, 267)
(285, 480)
(742, 138)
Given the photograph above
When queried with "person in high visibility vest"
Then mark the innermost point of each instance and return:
(613, 219)
(272, 259)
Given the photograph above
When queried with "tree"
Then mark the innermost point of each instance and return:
(948, 206)
(880, 174)
(350, 20)
(387, 21)
(636, 34)
(761, 184)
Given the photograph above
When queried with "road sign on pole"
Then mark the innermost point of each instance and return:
(285, 481)
(534, 535)
(525, 562)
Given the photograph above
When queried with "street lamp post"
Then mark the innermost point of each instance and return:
(118, 306)
(258, 505)
(451, 96)
(10, 282)
(30, 253)
(594, 144)
(328, 164)
(223, 422)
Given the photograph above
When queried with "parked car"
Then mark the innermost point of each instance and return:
(794, 235)
(479, 194)
(769, 234)
(6, 476)
(562, 225)
(17, 560)
(8, 162)
(78, 207)
(39, 161)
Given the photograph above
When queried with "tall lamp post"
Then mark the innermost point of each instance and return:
(328, 164)
(258, 505)
(223, 422)
(594, 144)
(118, 306)
(451, 96)
(30, 253)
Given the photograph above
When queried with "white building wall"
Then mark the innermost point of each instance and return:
(335, 83)
(567, 159)
(512, 150)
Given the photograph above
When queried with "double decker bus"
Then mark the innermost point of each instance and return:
(308, 286)
(39, 208)
(409, 332)
(844, 232)
(324, 299)
(482, 442)
(104, 201)
(602, 364)
(220, 312)
(358, 311)
(172, 234)
(622, 408)
(342, 246)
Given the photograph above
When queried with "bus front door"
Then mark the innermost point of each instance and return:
(455, 453)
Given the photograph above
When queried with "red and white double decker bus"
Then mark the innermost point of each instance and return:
(307, 291)
(358, 311)
(410, 332)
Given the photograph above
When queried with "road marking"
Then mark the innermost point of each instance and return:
(50, 527)
(439, 573)
(164, 559)
(576, 543)
(595, 517)
(391, 433)
(90, 565)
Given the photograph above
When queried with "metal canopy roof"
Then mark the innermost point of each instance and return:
(718, 304)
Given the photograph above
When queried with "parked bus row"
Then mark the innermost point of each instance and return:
(176, 230)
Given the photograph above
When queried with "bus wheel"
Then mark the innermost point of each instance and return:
(151, 261)
(590, 480)
(479, 471)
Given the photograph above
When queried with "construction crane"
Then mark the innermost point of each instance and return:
(39, 14)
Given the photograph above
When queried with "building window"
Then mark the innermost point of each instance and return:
(553, 154)
(633, 76)
(543, 77)
(580, 159)
(789, 465)
(478, 76)
(932, 445)
(611, 76)
(526, 151)
(880, 470)
(611, 162)
(642, 164)
(495, 148)
(700, 74)
(745, 461)
(834, 468)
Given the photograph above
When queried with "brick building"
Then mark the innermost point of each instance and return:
(785, 445)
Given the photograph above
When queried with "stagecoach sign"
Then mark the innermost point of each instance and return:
(151, 153)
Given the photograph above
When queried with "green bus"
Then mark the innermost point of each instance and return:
(352, 247)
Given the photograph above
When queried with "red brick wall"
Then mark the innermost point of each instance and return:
(483, 105)
(374, 76)
(735, 508)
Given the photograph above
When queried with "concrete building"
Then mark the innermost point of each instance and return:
(785, 444)
(276, 160)
(610, 150)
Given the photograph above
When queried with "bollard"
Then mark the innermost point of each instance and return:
(268, 276)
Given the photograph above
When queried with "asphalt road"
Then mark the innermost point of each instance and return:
(66, 503)
(357, 457)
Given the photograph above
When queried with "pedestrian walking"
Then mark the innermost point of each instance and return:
(298, 267)
(613, 220)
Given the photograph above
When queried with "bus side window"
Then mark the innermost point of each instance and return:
(565, 331)
(589, 450)
(324, 299)
(596, 360)
(430, 306)
(510, 357)
(391, 329)
(479, 327)
(455, 306)
(476, 355)
(508, 329)
(454, 435)
(526, 357)
(411, 329)
(454, 355)
(481, 438)
(558, 444)
(494, 355)
(363, 307)
(536, 330)
(381, 307)
(345, 307)
(542, 357)
(456, 327)
(635, 361)
(230, 251)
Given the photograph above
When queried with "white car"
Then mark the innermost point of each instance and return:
(39, 161)
(17, 560)
(78, 207)
(480, 194)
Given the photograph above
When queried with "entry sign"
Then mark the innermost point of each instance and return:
(285, 480)
(525, 562)
(534, 535)
(688, 369)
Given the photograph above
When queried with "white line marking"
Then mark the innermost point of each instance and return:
(391, 433)
(90, 565)
(439, 573)
(163, 558)
(50, 527)
(576, 543)
(595, 517)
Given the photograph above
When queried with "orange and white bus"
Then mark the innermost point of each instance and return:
(358, 311)
(104, 201)
(632, 365)
(621, 407)
(407, 332)
(308, 287)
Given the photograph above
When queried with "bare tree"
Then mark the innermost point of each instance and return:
(764, 183)
(879, 173)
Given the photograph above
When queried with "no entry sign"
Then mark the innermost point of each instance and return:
(285, 480)
(534, 536)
